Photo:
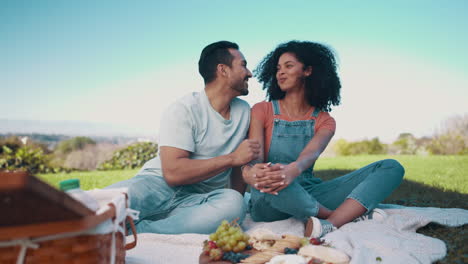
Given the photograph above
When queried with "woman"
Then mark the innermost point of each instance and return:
(295, 127)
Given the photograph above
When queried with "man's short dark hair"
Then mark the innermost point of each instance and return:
(212, 55)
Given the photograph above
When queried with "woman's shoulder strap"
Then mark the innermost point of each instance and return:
(276, 108)
(315, 113)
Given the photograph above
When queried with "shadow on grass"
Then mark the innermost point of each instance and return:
(411, 193)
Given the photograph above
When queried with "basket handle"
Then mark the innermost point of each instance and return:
(132, 226)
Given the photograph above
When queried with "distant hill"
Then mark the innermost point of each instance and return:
(52, 140)
(72, 128)
(51, 132)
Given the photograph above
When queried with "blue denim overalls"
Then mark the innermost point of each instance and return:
(368, 185)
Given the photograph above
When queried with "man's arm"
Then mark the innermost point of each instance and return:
(179, 169)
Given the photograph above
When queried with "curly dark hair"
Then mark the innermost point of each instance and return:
(322, 86)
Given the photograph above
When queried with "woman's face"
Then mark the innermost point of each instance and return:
(290, 72)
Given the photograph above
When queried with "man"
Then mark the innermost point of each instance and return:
(201, 146)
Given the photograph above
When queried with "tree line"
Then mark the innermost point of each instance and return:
(84, 153)
(450, 139)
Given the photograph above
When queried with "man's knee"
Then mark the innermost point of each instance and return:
(147, 193)
(231, 204)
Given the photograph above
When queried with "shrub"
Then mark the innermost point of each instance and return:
(11, 144)
(65, 147)
(21, 153)
(447, 144)
(90, 157)
(133, 156)
(26, 158)
(406, 144)
(370, 147)
(15, 142)
(452, 137)
(76, 143)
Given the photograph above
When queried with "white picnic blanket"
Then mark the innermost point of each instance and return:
(393, 241)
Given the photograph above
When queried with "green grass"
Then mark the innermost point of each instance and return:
(448, 173)
(430, 181)
(90, 179)
(437, 181)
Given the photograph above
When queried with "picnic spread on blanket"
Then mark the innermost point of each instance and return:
(230, 244)
(392, 241)
(70, 231)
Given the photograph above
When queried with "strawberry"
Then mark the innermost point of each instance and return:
(212, 244)
(315, 241)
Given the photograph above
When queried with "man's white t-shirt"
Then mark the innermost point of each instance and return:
(192, 124)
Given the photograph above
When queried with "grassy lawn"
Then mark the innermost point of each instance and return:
(448, 173)
(436, 181)
(430, 181)
(89, 179)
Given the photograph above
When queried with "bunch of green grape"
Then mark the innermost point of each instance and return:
(230, 237)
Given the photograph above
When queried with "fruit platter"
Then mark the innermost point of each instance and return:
(229, 244)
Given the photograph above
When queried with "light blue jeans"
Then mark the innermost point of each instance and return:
(369, 186)
(174, 210)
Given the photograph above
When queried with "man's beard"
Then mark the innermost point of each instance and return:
(244, 91)
(242, 88)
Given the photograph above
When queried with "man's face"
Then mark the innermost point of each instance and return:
(239, 74)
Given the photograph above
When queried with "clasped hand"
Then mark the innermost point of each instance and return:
(271, 178)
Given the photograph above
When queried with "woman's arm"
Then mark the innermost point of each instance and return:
(257, 132)
(313, 150)
(256, 168)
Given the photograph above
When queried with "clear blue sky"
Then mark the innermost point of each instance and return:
(403, 64)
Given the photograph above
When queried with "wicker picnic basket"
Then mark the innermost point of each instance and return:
(94, 238)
